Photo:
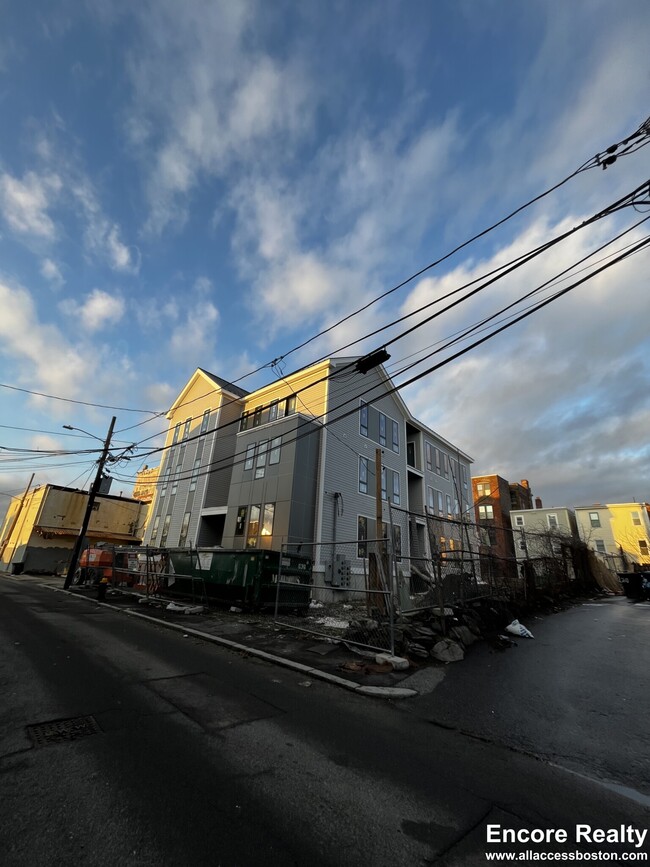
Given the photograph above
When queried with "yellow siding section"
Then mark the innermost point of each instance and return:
(626, 533)
(25, 524)
(311, 401)
(200, 394)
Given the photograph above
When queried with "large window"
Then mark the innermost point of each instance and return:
(257, 416)
(431, 502)
(274, 454)
(438, 461)
(486, 512)
(165, 479)
(363, 419)
(519, 520)
(244, 422)
(165, 531)
(186, 428)
(382, 429)
(253, 527)
(643, 548)
(428, 456)
(636, 519)
(463, 473)
(594, 519)
(362, 536)
(600, 546)
(396, 490)
(177, 431)
(448, 498)
(249, 460)
(395, 437)
(440, 504)
(154, 530)
(483, 489)
(260, 466)
(267, 519)
(552, 522)
(195, 474)
(240, 521)
(384, 483)
(273, 410)
(205, 421)
(177, 473)
(363, 475)
(184, 528)
(445, 465)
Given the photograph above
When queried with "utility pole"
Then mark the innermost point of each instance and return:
(76, 551)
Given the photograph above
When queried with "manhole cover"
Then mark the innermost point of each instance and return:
(60, 730)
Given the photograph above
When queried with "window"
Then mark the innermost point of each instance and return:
(492, 536)
(362, 535)
(483, 489)
(384, 491)
(519, 520)
(486, 512)
(600, 546)
(261, 459)
(431, 503)
(253, 527)
(445, 465)
(363, 475)
(177, 473)
(395, 437)
(267, 520)
(205, 421)
(244, 423)
(440, 505)
(437, 455)
(290, 405)
(363, 419)
(594, 519)
(257, 416)
(552, 522)
(195, 474)
(448, 498)
(382, 429)
(636, 519)
(456, 507)
(522, 545)
(274, 454)
(428, 455)
(165, 531)
(240, 520)
(556, 547)
(463, 473)
(186, 428)
(250, 457)
(273, 410)
(165, 479)
(154, 531)
(177, 430)
(396, 490)
(184, 528)
(643, 547)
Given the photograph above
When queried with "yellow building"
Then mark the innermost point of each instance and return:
(618, 532)
(144, 490)
(40, 529)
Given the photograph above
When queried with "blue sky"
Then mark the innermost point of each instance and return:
(210, 183)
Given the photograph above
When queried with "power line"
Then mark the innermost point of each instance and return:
(79, 402)
(228, 462)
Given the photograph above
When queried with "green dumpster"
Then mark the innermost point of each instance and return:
(247, 578)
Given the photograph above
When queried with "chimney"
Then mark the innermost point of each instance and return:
(538, 503)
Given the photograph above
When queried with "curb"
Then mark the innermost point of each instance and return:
(315, 673)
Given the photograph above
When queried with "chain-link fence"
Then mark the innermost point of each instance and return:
(352, 596)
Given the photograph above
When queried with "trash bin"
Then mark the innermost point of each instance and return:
(632, 583)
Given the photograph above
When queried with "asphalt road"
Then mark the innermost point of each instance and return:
(577, 694)
(205, 757)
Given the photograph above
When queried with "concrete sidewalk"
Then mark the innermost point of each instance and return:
(258, 635)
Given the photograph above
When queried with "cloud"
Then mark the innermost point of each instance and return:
(25, 203)
(102, 236)
(51, 271)
(100, 310)
(563, 397)
(228, 102)
(195, 336)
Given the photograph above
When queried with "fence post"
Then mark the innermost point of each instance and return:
(277, 587)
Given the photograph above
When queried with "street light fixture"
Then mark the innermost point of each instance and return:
(76, 551)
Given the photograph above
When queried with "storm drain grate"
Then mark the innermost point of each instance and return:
(59, 730)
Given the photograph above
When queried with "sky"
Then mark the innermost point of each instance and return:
(213, 183)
